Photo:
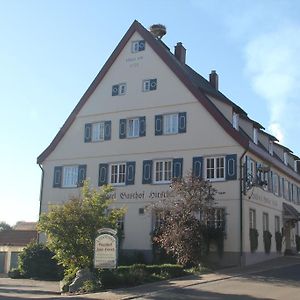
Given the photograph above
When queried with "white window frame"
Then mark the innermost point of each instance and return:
(170, 123)
(117, 173)
(271, 147)
(265, 221)
(251, 173)
(214, 170)
(162, 175)
(285, 158)
(98, 132)
(122, 89)
(252, 218)
(69, 176)
(255, 136)
(218, 218)
(235, 120)
(134, 130)
(276, 184)
(147, 85)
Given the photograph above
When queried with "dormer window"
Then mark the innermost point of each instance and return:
(271, 147)
(235, 121)
(255, 136)
(285, 158)
(137, 46)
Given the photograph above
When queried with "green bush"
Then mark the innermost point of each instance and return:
(36, 261)
(15, 274)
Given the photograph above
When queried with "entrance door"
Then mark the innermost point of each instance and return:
(2, 261)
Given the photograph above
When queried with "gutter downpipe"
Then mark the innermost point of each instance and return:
(41, 196)
(241, 207)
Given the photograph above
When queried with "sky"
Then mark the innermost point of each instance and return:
(51, 50)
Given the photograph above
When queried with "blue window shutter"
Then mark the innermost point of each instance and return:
(115, 90)
(158, 124)
(177, 167)
(141, 45)
(81, 175)
(103, 174)
(88, 133)
(122, 129)
(153, 84)
(270, 183)
(57, 178)
(197, 170)
(182, 122)
(147, 172)
(231, 167)
(142, 121)
(130, 172)
(107, 130)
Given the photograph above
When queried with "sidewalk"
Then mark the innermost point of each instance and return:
(146, 289)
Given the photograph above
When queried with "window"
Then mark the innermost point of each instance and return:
(133, 127)
(149, 85)
(162, 171)
(235, 121)
(157, 220)
(118, 89)
(137, 46)
(120, 223)
(98, 131)
(252, 218)
(170, 123)
(277, 224)
(275, 184)
(295, 196)
(250, 172)
(215, 168)
(255, 135)
(265, 222)
(217, 219)
(271, 147)
(285, 158)
(69, 176)
(117, 173)
(286, 189)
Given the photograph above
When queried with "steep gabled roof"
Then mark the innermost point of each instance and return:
(194, 82)
(182, 72)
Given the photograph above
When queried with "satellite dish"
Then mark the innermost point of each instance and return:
(158, 30)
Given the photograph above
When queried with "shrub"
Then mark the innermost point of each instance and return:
(267, 240)
(15, 274)
(36, 261)
(278, 239)
(253, 239)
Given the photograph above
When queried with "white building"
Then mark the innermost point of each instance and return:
(148, 116)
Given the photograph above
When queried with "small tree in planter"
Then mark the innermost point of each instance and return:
(267, 240)
(278, 239)
(253, 239)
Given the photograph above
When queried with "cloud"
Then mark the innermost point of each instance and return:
(272, 64)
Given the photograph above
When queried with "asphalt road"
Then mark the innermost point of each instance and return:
(279, 280)
(279, 283)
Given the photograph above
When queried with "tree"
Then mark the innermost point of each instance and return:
(5, 226)
(71, 228)
(184, 230)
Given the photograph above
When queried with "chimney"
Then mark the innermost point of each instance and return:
(180, 52)
(214, 79)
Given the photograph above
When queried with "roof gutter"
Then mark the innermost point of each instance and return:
(241, 207)
(41, 196)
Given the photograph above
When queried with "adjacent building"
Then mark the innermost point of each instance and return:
(148, 117)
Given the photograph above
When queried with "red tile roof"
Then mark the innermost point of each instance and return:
(17, 237)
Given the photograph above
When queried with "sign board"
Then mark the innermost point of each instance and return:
(106, 249)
